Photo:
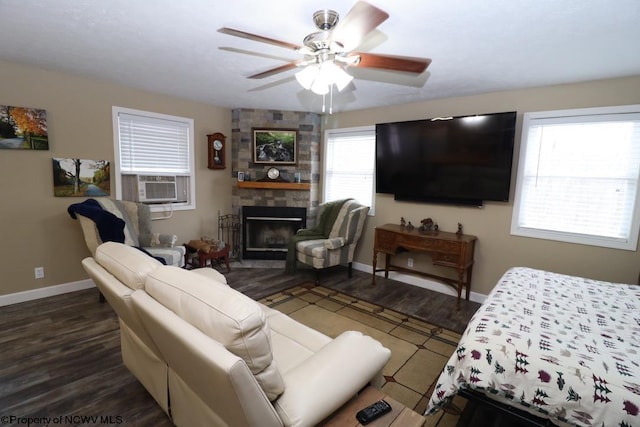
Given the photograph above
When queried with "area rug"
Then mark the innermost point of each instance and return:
(419, 350)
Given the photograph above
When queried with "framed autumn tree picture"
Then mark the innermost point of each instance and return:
(23, 128)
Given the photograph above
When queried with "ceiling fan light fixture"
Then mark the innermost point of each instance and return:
(319, 87)
(323, 79)
(339, 76)
(307, 75)
(319, 77)
(330, 50)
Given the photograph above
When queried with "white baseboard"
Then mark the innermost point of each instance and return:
(421, 282)
(48, 291)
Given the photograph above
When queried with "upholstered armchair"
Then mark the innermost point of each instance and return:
(136, 228)
(333, 241)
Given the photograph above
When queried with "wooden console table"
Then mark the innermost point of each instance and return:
(446, 249)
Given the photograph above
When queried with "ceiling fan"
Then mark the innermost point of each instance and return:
(329, 51)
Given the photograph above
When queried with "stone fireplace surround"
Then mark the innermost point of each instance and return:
(243, 122)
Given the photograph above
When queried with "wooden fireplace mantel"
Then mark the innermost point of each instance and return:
(275, 185)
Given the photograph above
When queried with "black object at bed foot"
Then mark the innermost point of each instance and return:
(481, 411)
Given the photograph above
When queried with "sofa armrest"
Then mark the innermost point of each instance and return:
(158, 239)
(327, 380)
(334, 243)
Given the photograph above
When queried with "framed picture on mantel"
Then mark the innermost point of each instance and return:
(275, 146)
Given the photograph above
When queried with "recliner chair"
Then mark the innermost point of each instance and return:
(137, 231)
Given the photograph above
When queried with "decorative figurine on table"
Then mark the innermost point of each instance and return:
(403, 222)
(436, 228)
(459, 232)
(426, 225)
(410, 226)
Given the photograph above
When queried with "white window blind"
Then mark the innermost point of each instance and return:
(578, 177)
(152, 145)
(349, 165)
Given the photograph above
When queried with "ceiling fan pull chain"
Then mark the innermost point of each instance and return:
(331, 99)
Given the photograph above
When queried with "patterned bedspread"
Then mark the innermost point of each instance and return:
(561, 347)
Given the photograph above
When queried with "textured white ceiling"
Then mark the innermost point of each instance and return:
(173, 47)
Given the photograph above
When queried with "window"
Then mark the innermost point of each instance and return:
(153, 147)
(349, 165)
(578, 177)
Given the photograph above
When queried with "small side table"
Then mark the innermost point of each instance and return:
(400, 415)
(202, 257)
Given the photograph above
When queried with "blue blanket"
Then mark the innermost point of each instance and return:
(110, 227)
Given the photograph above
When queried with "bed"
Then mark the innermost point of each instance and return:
(560, 347)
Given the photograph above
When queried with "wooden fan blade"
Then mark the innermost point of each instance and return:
(394, 63)
(276, 70)
(255, 37)
(359, 21)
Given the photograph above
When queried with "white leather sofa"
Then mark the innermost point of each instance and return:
(211, 356)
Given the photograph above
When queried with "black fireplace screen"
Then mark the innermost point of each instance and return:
(268, 229)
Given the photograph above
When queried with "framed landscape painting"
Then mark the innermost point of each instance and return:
(23, 128)
(81, 178)
(275, 146)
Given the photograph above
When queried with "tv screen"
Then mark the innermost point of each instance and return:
(461, 160)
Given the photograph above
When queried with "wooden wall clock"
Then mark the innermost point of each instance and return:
(216, 150)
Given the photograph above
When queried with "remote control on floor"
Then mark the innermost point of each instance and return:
(372, 412)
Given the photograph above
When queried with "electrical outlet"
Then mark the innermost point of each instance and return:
(39, 272)
(410, 262)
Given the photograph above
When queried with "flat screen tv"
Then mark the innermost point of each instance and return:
(459, 160)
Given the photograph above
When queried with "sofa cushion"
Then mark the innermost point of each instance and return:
(222, 313)
(313, 248)
(127, 264)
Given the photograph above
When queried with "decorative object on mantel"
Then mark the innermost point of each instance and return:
(216, 151)
(275, 146)
(273, 175)
(410, 226)
(459, 232)
(240, 176)
(403, 222)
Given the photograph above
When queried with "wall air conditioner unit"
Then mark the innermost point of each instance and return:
(157, 188)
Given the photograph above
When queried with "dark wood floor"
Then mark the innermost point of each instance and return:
(430, 306)
(60, 355)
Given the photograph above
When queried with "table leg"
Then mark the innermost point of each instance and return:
(469, 270)
(387, 261)
(225, 258)
(374, 262)
(460, 286)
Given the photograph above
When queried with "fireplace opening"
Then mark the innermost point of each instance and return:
(268, 229)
